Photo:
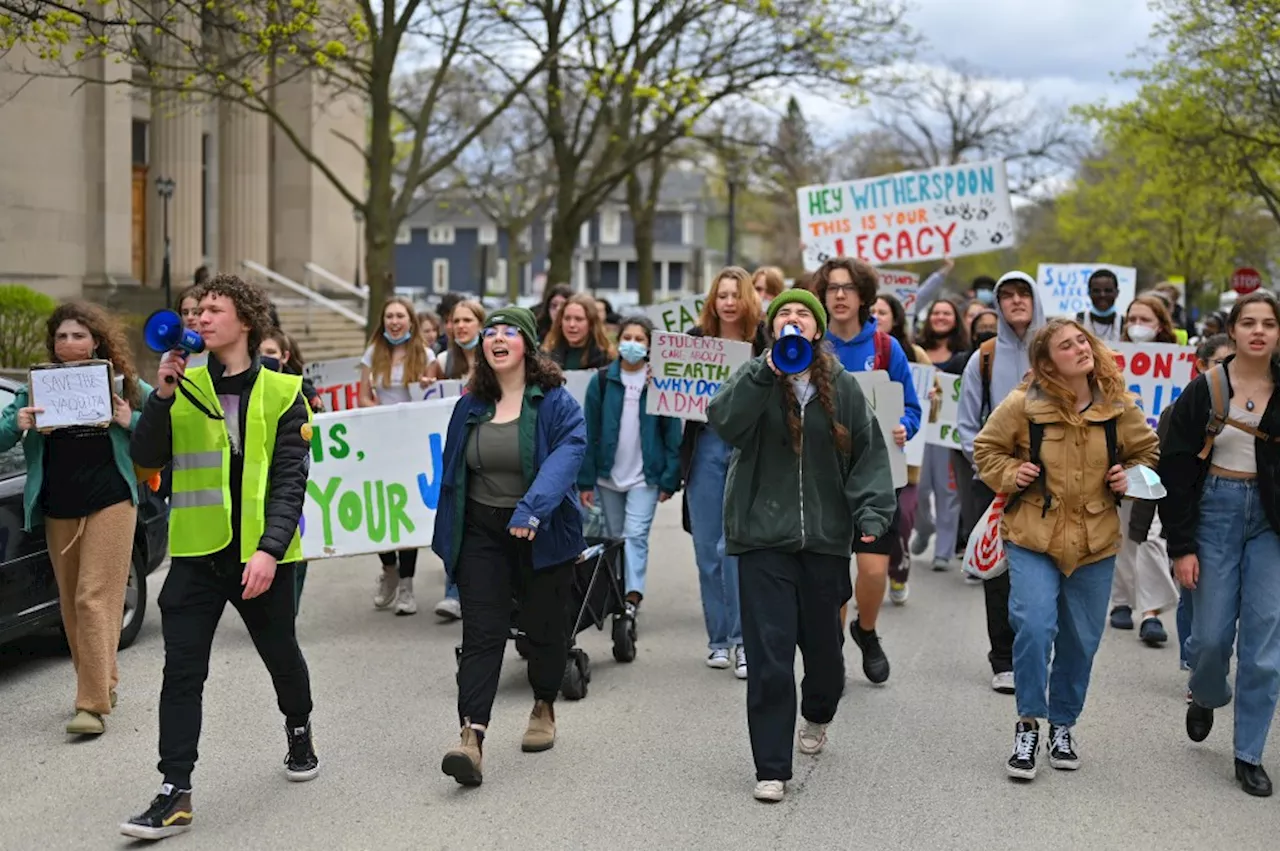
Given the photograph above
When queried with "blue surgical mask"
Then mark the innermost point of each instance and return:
(397, 341)
(985, 296)
(470, 344)
(1103, 314)
(633, 352)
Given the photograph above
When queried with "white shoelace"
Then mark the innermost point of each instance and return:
(1062, 740)
(1024, 745)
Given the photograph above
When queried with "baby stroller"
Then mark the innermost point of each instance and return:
(598, 592)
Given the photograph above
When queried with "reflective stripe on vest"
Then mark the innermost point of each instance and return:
(200, 507)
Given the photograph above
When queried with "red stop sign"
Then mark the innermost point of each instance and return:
(1245, 280)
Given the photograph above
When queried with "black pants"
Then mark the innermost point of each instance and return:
(408, 561)
(195, 593)
(995, 592)
(494, 568)
(963, 472)
(790, 600)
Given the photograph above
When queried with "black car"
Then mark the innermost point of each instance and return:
(28, 592)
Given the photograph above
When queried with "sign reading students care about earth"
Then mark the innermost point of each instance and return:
(687, 371)
(908, 217)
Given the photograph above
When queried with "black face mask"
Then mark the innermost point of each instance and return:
(269, 362)
(983, 336)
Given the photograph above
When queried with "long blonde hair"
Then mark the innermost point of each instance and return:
(751, 310)
(1106, 375)
(415, 355)
(596, 337)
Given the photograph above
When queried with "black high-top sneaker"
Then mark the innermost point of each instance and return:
(1062, 749)
(301, 763)
(1026, 741)
(169, 814)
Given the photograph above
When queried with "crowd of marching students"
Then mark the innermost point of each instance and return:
(787, 494)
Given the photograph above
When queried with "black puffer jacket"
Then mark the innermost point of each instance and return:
(1183, 473)
(152, 448)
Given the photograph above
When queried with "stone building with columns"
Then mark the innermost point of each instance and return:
(79, 164)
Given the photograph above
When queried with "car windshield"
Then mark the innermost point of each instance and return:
(12, 461)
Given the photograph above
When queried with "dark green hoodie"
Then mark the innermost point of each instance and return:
(816, 501)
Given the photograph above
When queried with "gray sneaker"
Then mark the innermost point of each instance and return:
(388, 584)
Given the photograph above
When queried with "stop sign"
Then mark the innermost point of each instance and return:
(1245, 280)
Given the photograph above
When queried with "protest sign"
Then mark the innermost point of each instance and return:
(941, 430)
(676, 316)
(576, 381)
(448, 388)
(887, 401)
(337, 382)
(687, 371)
(908, 217)
(72, 394)
(1064, 287)
(922, 379)
(375, 479)
(1156, 372)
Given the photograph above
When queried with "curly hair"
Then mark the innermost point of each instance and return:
(109, 342)
(824, 367)
(539, 369)
(252, 305)
(1106, 375)
(866, 280)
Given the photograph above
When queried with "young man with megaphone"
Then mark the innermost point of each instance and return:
(239, 438)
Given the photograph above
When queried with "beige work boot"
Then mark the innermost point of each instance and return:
(464, 763)
(86, 723)
(541, 733)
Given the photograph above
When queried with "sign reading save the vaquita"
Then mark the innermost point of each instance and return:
(908, 217)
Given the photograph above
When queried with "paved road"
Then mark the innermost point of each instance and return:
(656, 757)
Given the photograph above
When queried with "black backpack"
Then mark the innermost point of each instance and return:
(1036, 431)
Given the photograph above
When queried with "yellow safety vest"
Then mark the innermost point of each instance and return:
(200, 507)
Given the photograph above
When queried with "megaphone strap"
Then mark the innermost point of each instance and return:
(183, 383)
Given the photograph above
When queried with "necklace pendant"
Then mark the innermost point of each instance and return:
(1248, 405)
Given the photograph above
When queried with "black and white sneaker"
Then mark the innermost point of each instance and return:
(169, 814)
(1062, 749)
(301, 763)
(1026, 741)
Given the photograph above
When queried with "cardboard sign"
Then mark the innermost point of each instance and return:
(941, 430)
(1063, 288)
(922, 379)
(904, 286)
(676, 316)
(576, 381)
(72, 394)
(337, 382)
(887, 401)
(375, 479)
(448, 388)
(1156, 372)
(687, 371)
(908, 217)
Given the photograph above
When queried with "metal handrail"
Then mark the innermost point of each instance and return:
(346, 287)
(310, 295)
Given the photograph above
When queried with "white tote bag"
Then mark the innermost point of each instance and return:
(984, 554)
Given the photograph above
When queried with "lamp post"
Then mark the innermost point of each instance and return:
(359, 217)
(165, 186)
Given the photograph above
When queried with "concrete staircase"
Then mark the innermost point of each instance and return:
(321, 334)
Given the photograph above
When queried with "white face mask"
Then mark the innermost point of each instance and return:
(1141, 333)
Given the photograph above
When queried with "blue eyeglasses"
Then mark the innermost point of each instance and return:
(506, 331)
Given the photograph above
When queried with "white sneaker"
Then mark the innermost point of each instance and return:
(388, 585)
(770, 791)
(812, 737)
(740, 662)
(405, 603)
(718, 659)
(1003, 682)
(941, 564)
(449, 609)
(898, 593)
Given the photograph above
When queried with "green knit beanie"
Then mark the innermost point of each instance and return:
(517, 317)
(806, 298)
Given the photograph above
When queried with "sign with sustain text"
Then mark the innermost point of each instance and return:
(687, 371)
(73, 394)
(909, 216)
(1064, 287)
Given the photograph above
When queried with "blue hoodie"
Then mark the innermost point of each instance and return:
(859, 355)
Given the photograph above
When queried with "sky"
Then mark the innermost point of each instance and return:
(1064, 51)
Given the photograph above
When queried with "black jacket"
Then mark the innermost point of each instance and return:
(152, 448)
(693, 428)
(1183, 473)
(592, 357)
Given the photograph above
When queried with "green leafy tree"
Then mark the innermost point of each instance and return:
(23, 313)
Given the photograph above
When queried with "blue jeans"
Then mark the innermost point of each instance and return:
(629, 515)
(1186, 611)
(1239, 582)
(1058, 615)
(717, 572)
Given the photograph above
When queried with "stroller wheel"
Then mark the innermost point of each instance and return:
(624, 639)
(576, 676)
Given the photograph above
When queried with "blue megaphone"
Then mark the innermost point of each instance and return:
(164, 332)
(792, 353)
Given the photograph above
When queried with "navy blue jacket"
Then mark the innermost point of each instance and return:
(659, 436)
(553, 441)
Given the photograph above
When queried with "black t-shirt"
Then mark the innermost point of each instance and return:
(231, 390)
(80, 473)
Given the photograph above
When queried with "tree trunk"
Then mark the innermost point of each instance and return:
(642, 218)
(564, 236)
(515, 259)
(380, 220)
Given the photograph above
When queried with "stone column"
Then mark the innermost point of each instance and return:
(243, 187)
(108, 180)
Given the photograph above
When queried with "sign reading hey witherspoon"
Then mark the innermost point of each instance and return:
(687, 372)
(909, 216)
(1064, 287)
